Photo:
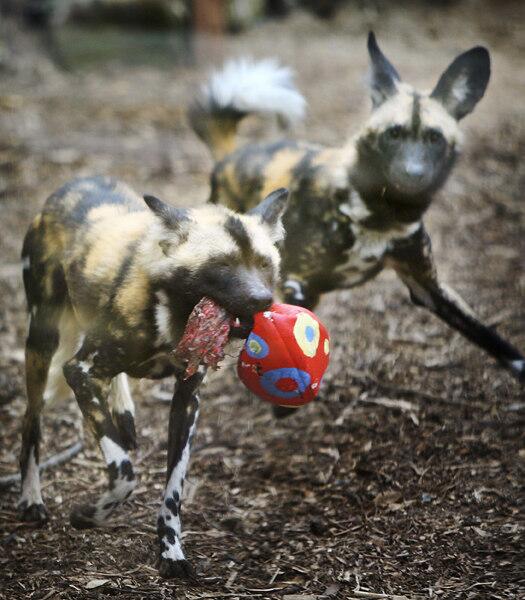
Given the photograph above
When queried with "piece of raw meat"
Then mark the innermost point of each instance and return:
(204, 338)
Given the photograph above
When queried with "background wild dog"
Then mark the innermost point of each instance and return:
(110, 283)
(355, 209)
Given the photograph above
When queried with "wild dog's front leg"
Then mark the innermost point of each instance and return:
(90, 384)
(183, 419)
(123, 410)
(412, 259)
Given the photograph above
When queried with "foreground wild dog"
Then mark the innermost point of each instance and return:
(356, 209)
(110, 282)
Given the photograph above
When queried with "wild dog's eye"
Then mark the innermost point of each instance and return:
(434, 136)
(395, 132)
(265, 262)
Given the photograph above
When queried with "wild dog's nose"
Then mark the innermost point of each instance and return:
(258, 301)
(415, 170)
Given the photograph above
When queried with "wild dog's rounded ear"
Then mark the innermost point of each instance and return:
(172, 218)
(271, 209)
(464, 82)
(169, 215)
(383, 75)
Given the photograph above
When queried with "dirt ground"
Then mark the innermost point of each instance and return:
(405, 478)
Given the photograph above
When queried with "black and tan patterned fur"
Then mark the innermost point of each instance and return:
(357, 209)
(110, 280)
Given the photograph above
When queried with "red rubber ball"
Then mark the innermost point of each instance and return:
(285, 356)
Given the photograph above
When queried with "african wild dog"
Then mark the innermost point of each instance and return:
(110, 283)
(358, 208)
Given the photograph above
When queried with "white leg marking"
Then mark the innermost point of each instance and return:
(112, 451)
(458, 300)
(121, 487)
(419, 292)
(31, 485)
(172, 497)
(120, 399)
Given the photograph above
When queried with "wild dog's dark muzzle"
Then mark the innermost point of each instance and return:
(413, 168)
(248, 293)
(410, 178)
(245, 301)
(256, 302)
(260, 300)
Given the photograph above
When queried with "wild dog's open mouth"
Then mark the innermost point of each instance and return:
(206, 334)
(241, 327)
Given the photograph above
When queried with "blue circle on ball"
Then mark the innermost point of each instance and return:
(309, 333)
(256, 347)
(270, 379)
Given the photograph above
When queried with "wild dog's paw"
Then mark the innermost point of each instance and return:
(125, 423)
(33, 513)
(83, 516)
(176, 569)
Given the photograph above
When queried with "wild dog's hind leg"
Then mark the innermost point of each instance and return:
(182, 424)
(90, 380)
(123, 410)
(41, 344)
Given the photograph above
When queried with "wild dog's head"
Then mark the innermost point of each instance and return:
(411, 138)
(213, 251)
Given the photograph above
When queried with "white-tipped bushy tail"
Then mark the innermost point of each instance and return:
(242, 87)
(248, 86)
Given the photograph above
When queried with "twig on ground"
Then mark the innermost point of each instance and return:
(57, 459)
(361, 594)
(402, 391)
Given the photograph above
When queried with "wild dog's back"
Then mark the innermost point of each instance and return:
(73, 208)
(83, 220)
(243, 176)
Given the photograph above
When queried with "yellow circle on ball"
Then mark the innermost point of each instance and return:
(306, 333)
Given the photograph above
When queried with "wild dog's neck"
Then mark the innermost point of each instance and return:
(169, 323)
(170, 289)
(172, 304)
